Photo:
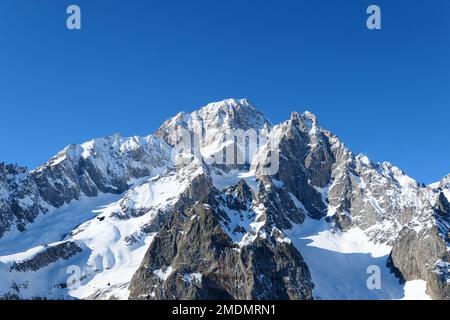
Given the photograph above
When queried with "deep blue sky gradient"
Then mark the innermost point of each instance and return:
(135, 63)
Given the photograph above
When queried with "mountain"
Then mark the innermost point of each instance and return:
(221, 204)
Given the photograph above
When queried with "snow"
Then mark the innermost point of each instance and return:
(278, 183)
(32, 284)
(113, 245)
(405, 181)
(324, 192)
(236, 219)
(364, 159)
(27, 201)
(284, 240)
(222, 180)
(434, 185)
(209, 125)
(297, 203)
(58, 160)
(107, 262)
(159, 191)
(43, 230)
(21, 256)
(447, 194)
(163, 275)
(254, 228)
(419, 223)
(416, 290)
(251, 221)
(193, 277)
(4, 194)
(116, 261)
(351, 241)
(443, 269)
(115, 271)
(339, 262)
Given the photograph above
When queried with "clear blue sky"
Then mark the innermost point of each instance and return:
(135, 63)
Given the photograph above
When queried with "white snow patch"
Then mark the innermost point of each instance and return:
(416, 290)
(193, 277)
(447, 194)
(284, 240)
(339, 262)
(163, 275)
(222, 180)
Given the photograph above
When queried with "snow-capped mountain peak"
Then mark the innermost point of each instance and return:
(136, 222)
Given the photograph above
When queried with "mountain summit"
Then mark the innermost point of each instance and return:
(221, 204)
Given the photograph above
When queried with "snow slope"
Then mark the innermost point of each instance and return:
(340, 263)
(113, 243)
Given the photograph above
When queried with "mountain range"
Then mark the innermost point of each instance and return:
(292, 214)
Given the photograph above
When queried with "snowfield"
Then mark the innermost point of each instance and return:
(107, 262)
(113, 243)
(339, 264)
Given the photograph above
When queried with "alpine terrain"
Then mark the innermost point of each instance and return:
(221, 204)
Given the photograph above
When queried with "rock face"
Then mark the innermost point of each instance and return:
(64, 250)
(170, 216)
(423, 254)
(306, 159)
(194, 255)
(19, 198)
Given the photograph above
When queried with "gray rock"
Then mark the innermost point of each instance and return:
(49, 255)
(424, 254)
(193, 257)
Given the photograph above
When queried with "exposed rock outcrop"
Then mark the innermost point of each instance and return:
(422, 253)
(193, 257)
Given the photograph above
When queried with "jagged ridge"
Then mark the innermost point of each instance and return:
(239, 212)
